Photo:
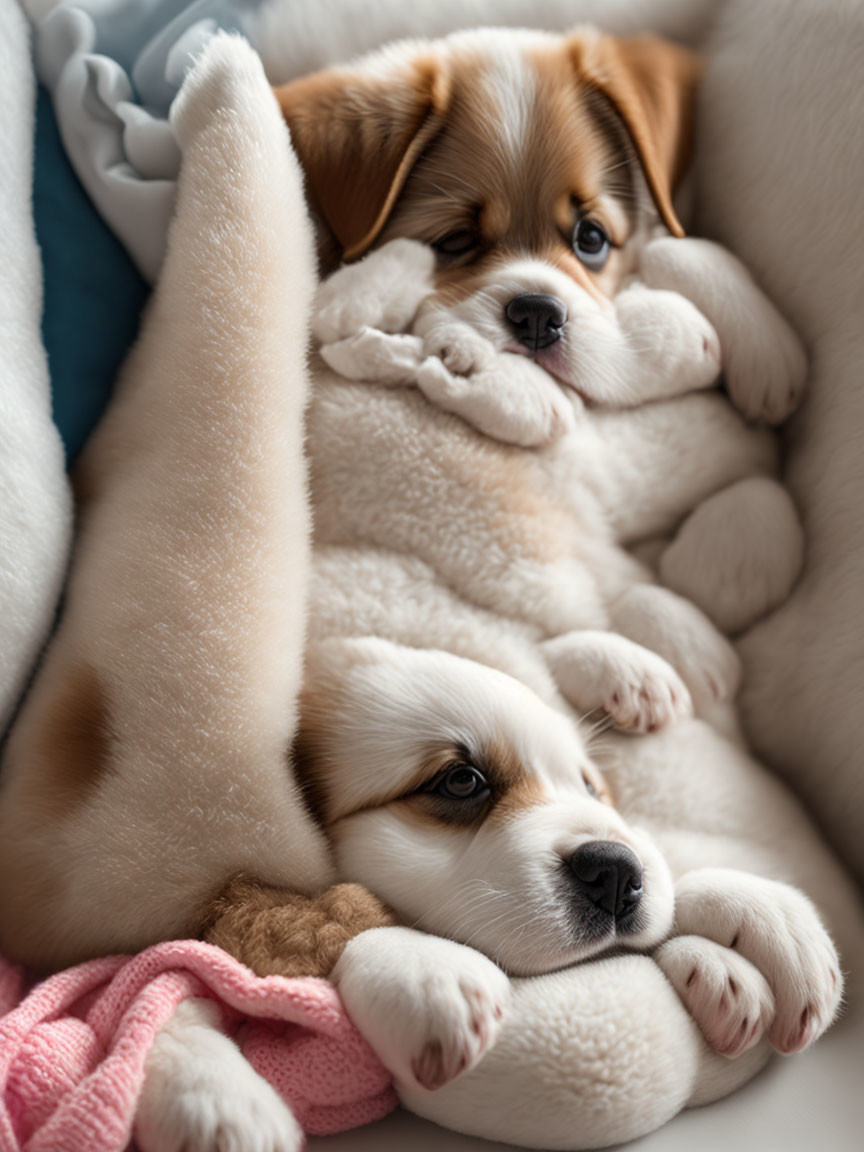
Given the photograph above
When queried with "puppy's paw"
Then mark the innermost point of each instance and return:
(676, 349)
(778, 930)
(201, 1095)
(514, 401)
(738, 555)
(684, 636)
(462, 349)
(429, 1008)
(382, 291)
(727, 997)
(374, 356)
(638, 689)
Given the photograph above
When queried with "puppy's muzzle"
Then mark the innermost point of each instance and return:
(535, 319)
(610, 875)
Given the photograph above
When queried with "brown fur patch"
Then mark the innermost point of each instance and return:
(358, 134)
(276, 932)
(65, 734)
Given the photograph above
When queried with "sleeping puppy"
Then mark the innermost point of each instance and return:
(474, 809)
(479, 814)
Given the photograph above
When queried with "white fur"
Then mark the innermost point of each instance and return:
(450, 594)
(200, 1093)
(426, 1039)
(725, 994)
(598, 1054)
(504, 886)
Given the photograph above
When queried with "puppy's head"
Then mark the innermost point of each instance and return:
(473, 809)
(534, 164)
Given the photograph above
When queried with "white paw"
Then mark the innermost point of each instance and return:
(200, 1094)
(461, 349)
(684, 636)
(738, 555)
(428, 1007)
(778, 930)
(638, 689)
(727, 997)
(677, 349)
(514, 401)
(383, 291)
(375, 356)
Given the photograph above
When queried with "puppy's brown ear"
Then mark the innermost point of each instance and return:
(651, 84)
(358, 133)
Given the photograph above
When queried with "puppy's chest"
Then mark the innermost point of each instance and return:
(390, 469)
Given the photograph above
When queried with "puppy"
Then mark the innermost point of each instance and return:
(548, 212)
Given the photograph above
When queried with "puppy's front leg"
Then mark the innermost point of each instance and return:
(511, 400)
(430, 1008)
(679, 632)
(764, 362)
(673, 348)
(778, 930)
(200, 1094)
(636, 687)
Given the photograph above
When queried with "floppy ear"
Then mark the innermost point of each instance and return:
(651, 84)
(358, 132)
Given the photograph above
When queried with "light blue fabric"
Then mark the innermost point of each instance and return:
(113, 67)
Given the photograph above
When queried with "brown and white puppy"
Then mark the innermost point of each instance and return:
(473, 808)
(535, 167)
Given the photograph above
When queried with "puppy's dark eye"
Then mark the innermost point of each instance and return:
(462, 782)
(456, 243)
(591, 244)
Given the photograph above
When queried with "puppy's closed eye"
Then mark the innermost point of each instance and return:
(459, 243)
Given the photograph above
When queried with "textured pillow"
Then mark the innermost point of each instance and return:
(93, 294)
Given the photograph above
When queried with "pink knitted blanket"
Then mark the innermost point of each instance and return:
(72, 1048)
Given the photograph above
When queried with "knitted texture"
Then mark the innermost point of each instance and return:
(72, 1049)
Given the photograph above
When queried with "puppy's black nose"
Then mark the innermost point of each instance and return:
(610, 876)
(535, 319)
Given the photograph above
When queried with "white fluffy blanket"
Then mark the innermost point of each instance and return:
(35, 503)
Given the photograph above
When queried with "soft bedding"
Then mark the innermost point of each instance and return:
(35, 503)
(785, 1097)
